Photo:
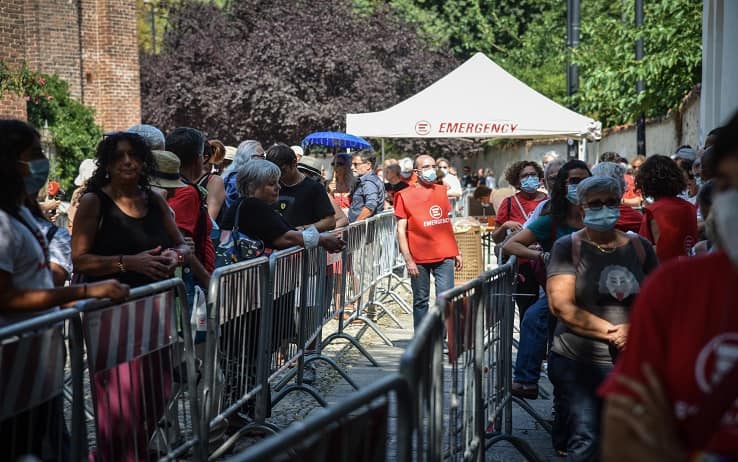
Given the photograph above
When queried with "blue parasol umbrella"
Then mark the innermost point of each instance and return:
(336, 140)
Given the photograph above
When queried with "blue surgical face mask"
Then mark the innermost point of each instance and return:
(38, 174)
(603, 219)
(428, 175)
(571, 194)
(530, 184)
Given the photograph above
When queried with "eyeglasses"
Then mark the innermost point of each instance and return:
(575, 180)
(356, 164)
(597, 205)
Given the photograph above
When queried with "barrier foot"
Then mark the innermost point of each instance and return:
(353, 342)
(369, 323)
(532, 412)
(519, 444)
(401, 282)
(330, 362)
(299, 387)
(397, 299)
(387, 312)
(267, 428)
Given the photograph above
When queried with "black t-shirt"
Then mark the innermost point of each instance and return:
(304, 203)
(606, 286)
(258, 220)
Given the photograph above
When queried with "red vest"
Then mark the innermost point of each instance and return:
(430, 234)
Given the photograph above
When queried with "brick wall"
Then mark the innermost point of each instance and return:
(97, 56)
(12, 44)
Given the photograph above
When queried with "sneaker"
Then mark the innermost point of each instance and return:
(308, 374)
(524, 391)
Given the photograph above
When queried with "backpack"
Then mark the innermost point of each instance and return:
(236, 246)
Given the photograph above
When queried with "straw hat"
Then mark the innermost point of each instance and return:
(309, 164)
(167, 171)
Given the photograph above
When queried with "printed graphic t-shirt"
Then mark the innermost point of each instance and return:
(685, 325)
(607, 285)
(430, 234)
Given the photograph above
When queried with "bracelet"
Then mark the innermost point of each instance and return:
(121, 267)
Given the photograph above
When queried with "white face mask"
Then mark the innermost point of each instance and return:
(725, 209)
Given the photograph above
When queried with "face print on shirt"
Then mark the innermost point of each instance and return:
(619, 282)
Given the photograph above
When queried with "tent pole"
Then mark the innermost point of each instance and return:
(583, 149)
(382, 152)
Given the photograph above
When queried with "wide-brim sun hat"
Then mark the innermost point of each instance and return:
(167, 173)
(311, 165)
(86, 169)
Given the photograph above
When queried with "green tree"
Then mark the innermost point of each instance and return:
(71, 124)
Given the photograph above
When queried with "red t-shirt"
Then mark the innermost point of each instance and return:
(685, 325)
(630, 219)
(516, 213)
(430, 234)
(186, 206)
(677, 223)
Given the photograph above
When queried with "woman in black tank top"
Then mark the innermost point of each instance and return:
(125, 231)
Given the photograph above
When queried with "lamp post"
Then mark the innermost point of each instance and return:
(572, 70)
(152, 11)
(640, 84)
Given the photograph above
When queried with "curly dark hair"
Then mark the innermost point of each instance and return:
(106, 155)
(512, 174)
(15, 137)
(559, 203)
(659, 176)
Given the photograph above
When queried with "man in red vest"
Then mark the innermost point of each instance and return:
(425, 235)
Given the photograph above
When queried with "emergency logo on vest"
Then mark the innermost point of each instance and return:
(436, 212)
(422, 127)
(715, 360)
(619, 282)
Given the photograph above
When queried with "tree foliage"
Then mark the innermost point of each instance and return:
(276, 70)
(71, 124)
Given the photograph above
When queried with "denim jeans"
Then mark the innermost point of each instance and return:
(532, 344)
(443, 274)
(576, 428)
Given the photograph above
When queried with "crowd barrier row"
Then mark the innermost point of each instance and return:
(450, 399)
(135, 386)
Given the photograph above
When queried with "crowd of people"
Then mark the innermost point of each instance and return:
(634, 332)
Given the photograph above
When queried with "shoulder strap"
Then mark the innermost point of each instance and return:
(520, 206)
(576, 248)
(638, 246)
(51, 232)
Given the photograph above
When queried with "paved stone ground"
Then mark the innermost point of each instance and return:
(335, 389)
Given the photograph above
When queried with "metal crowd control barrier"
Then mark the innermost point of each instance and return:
(388, 251)
(236, 359)
(32, 417)
(373, 423)
(141, 366)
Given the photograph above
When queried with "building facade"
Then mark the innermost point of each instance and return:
(91, 44)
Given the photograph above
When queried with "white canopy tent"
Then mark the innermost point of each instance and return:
(478, 99)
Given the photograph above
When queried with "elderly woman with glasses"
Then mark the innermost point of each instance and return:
(594, 276)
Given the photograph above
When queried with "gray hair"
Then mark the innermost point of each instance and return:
(256, 174)
(612, 170)
(556, 163)
(598, 184)
(153, 136)
(246, 150)
(552, 155)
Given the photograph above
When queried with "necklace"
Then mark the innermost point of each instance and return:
(600, 247)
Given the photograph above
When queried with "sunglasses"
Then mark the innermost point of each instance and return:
(597, 205)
